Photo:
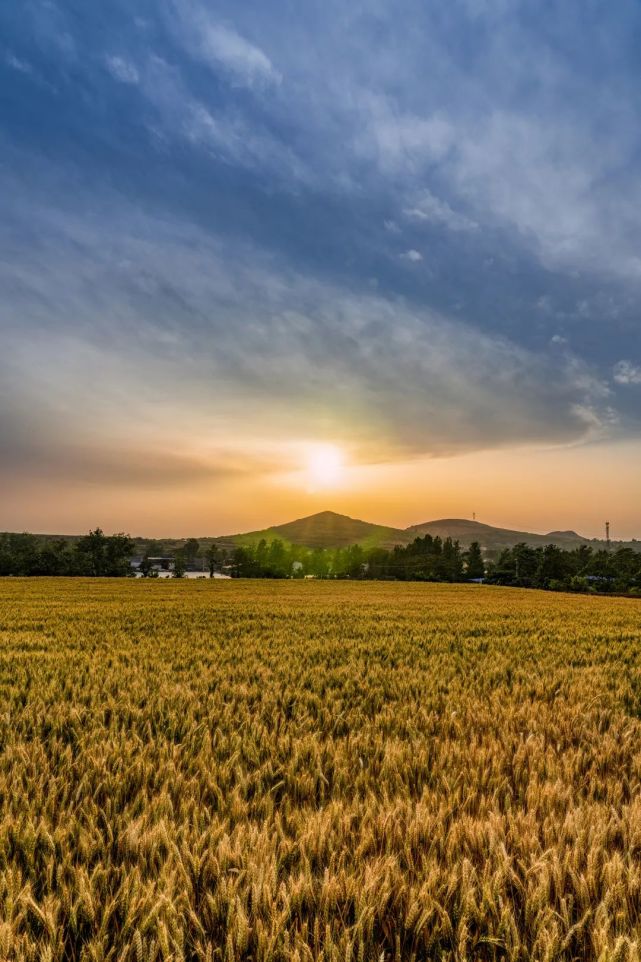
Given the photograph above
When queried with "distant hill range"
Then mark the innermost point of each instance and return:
(327, 529)
(330, 530)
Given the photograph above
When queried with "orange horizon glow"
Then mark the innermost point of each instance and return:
(527, 489)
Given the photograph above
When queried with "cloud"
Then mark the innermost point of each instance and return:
(223, 48)
(246, 62)
(114, 465)
(224, 343)
(17, 64)
(400, 141)
(122, 70)
(225, 133)
(427, 207)
(412, 255)
(538, 176)
(518, 141)
(625, 372)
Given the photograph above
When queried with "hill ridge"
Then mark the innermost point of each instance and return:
(330, 529)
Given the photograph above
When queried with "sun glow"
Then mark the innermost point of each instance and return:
(325, 466)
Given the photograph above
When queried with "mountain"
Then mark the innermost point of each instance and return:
(328, 530)
(493, 538)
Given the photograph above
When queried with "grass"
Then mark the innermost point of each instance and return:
(317, 771)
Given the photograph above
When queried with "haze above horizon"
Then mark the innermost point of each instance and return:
(259, 261)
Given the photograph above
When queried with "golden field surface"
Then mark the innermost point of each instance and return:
(317, 771)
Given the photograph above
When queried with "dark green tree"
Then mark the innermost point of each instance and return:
(118, 551)
(212, 557)
(355, 561)
(451, 566)
(179, 564)
(243, 563)
(552, 567)
(191, 549)
(105, 557)
(93, 548)
(474, 566)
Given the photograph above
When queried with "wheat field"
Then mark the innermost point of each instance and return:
(317, 771)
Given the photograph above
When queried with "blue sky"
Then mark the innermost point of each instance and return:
(411, 228)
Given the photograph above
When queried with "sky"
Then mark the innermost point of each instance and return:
(263, 259)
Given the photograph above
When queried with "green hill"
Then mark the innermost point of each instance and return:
(327, 529)
(493, 538)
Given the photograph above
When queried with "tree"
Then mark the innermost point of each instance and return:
(105, 557)
(21, 555)
(212, 556)
(319, 563)
(118, 551)
(191, 549)
(261, 553)
(451, 565)
(277, 559)
(515, 566)
(92, 546)
(474, 566)
(244, 565)
(145, 566)
(179, 564)
(355, 561)
(53, 558)
(552, 566)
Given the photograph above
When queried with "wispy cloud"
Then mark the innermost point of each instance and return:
(17, 64)
(625, 372)
(122, 69)
(111, 464)
(427, 207)
(225, 133)
(220, 46)
(225, 48)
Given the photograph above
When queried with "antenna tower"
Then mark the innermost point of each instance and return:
(607, 535)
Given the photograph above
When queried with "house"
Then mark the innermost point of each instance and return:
(161, 565)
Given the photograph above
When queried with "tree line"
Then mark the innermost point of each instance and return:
(582, 569)
(434, 559)
(425, 559)
(94, 555)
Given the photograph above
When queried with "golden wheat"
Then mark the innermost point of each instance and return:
(318, 771)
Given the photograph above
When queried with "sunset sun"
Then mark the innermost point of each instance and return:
(325, 466)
